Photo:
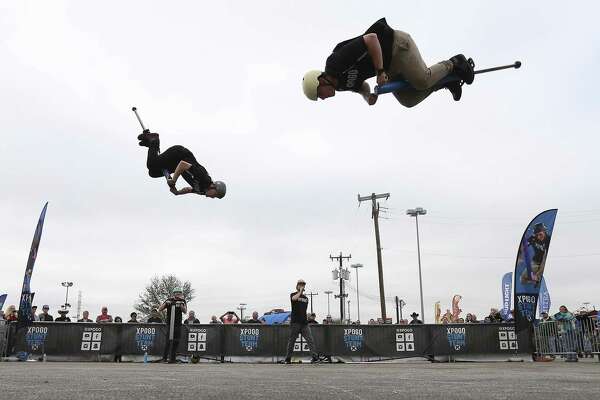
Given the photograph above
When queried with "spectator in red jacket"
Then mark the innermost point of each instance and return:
(105, 316)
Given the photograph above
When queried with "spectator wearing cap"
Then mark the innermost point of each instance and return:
(191, 319)
(118, 319)
(155, 317)
(415, 319)
(312, 318)
(254, 319)
(133, 318)
(44, 316)
(63, 316)
(104, 317)
(85, 317)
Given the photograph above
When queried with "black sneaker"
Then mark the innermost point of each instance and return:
(287, 361)
(464, 68)
(455, 88)
(315, 360)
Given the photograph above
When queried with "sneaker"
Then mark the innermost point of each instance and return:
(455, 87)
(287, 361)
(464, 68)
(315, 360)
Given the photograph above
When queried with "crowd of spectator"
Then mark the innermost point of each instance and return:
(230, 317)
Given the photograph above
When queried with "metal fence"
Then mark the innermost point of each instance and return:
(3, 337)
(577, 337)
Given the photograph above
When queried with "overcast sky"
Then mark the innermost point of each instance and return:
(224, 79)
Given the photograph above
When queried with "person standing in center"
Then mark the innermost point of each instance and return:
(299, 323)
(176, 307)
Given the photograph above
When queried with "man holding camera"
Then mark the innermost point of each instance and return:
(299, 323)
(176, 307)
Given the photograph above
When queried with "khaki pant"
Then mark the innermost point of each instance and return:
(407, 61)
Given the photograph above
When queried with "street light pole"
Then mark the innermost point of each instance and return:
(328, 293)
(356, 267)
(67, 285)
(415, 212)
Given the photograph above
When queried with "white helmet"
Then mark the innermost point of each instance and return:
(310, 84)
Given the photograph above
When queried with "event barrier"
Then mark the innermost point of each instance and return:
(3, 336)
(90, 341)
(568, 338)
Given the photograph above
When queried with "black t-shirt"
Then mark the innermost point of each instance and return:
(46, 318)
(194, 321)
(63, 319)
(253, 321)
(196, 176)
(350, 61)
(299, 309)
(85, 320)
(178, 311)
(155, 320)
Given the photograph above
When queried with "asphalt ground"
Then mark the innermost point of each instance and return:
(418, 380)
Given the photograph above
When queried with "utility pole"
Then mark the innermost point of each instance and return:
(242, 307)
(375, 216)
(356, 267)
(328, 293)
(342, 275)
(311, 294)
(415, 212)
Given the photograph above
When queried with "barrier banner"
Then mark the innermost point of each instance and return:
(463, 339)
(201, 340)
(93, 342)
(138, 339)
(25, 315)
(529, 268)
(249, 340)
(544, 301)
(506, 295)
